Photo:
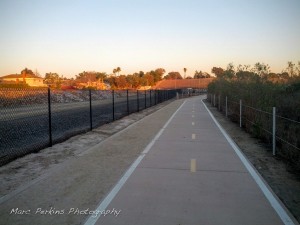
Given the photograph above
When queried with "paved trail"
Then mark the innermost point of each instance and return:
(190, 174)
(185, 172)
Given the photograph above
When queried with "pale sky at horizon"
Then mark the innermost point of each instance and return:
(69, 37)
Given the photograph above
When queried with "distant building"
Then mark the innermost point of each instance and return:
(31, 80)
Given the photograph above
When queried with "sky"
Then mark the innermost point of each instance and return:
(72, 36)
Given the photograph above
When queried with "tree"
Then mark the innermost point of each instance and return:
(26, 72)
(158, 74)
(118, 70)
(101, 76)
(218, 71)
(229, 73)
(243, 68)
(141, 73)
(87, 77)
(53, 79)
(184, 70)
(298, 69)
(247, 76)
(284, 75)
(133, 80)
(148, 79)
(173, 75)
(112, 82)
(199, 74)
(291, 69)
(121, 82)
(114, 71)
(261, 69)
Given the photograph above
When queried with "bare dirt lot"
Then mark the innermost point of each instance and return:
(273, 169)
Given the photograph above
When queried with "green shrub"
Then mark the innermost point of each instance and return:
(262, 94)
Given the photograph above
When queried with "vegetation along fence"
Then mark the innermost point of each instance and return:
(32, 119)
(280, 133)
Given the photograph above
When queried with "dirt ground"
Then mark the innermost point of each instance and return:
(273, 169)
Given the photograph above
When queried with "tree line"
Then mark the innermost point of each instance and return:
(258, 71)
(116, 80)
(260, 89)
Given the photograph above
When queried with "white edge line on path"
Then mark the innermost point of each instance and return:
(107, 200)
(268, 194)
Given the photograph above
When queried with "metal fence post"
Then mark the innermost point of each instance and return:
(145, 99)
(219, 104)
(113, 104)
(127, 97)
(138, 101)
(226, 105)
(150, 99)
(91, 115)
(211, 99)
(49, 117)
(274, 130)
(240, 113)
(214, 100)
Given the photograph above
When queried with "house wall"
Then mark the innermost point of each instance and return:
(33, 82)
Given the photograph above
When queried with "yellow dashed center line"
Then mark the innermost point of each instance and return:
(193, 165)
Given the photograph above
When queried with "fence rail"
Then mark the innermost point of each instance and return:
(283, 134)
(32, 119)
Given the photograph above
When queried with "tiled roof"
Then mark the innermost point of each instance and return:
(19, 76)
(183, 83)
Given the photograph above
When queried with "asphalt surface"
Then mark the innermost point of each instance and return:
(25, 129)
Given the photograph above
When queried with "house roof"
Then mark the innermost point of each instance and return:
(201, 83)
(19, 76)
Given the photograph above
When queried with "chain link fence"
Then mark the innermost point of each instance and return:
(32, 119)
(280, 133)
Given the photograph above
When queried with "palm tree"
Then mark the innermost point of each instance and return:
(184, 70)
(118, 70)
(114, 71)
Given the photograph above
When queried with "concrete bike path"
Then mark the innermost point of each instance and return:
(188, 174)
